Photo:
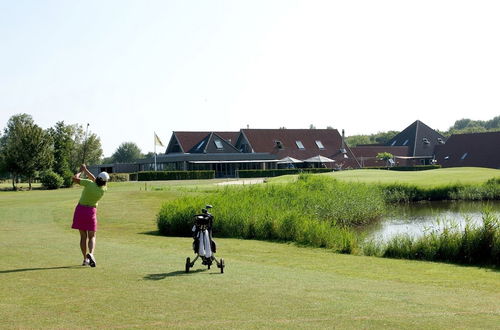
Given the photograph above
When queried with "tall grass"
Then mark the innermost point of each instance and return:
(397, 193)
(316, 211)
(475, 245)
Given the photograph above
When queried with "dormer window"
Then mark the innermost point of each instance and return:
(425, 141)
(440, 141)
(218, 144)
(300, 145)
(279, 145)
(320, 144)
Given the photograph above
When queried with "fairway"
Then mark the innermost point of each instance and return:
(139, 280)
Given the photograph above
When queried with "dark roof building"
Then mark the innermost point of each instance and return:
(420, 140)
(473, 149)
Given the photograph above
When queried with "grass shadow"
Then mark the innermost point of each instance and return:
(157, 277)
(35, 269)
(152, 233)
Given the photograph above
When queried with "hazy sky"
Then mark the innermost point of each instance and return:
(129, 68)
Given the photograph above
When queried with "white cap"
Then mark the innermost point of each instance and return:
(104, 176)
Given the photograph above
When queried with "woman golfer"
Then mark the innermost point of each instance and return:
(85, 219)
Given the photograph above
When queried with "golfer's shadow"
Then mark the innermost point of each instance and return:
(19, 270)
(157, 277)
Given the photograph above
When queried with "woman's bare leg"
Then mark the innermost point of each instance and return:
(83, 242)
(91, 236)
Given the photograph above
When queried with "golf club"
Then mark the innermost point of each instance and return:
(85, 144)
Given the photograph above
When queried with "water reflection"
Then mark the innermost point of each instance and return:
(418, 218)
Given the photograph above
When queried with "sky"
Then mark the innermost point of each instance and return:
(131, 68)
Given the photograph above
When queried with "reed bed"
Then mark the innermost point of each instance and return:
(405, 193)
(474, 245)
(316, 211)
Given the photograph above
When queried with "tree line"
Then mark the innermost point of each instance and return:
(28, 152)
(461, 126)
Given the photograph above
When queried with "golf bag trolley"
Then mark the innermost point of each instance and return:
(203, 245)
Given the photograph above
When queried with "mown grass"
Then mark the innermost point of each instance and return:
(139, 281)
(430, 178)
(315, 211)
(475, 245)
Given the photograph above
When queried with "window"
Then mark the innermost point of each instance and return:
(299, 145)
(405, 143)
(198, 148)
(463, 156)
(394, 142)
(320, 144)
(218, 144)
(425, 140)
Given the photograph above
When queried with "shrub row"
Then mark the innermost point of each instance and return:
(119, 177)
(316, 211)
(278, 172)
(174, 175)
(478, 245)
(396, 193)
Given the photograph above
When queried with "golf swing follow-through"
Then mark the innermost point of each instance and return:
(85, 215)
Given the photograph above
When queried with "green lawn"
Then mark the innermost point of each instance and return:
(429, 178)
(139, 279)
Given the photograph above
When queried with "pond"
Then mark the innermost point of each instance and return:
(417, 218)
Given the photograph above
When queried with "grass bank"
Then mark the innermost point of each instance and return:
(314, 210)
(469, 183)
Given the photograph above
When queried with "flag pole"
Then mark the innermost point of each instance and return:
(155, 148)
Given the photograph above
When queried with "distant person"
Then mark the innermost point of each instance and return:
(85, 216)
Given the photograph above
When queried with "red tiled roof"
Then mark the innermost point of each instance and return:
(264, 140)
(473, 149)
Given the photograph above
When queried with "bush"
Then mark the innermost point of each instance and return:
(51, 180)
(174, 175)
(67, 178)
(315, 211)
(118, 177)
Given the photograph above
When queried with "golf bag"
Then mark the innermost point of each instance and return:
(203, 245)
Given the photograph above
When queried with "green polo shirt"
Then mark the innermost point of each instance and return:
(91, 193)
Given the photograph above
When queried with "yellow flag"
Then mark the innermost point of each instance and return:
(158, 141)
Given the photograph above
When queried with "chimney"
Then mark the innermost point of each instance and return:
(342, 148)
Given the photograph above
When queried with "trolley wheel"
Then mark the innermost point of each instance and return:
(188, 264)
(222, 265)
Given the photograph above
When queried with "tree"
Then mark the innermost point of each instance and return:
(26, 148)
(387, 156)
(91, 148)
(127, 152)
(62, 136)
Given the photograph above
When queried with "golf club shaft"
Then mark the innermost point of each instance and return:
(85, 144)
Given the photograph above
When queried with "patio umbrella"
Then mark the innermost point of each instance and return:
(319, 159)
(289, 160)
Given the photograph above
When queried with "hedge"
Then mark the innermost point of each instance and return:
(118, 177)
(278, 172)
(174, 175)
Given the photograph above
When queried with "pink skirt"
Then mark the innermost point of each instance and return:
(85, 218)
